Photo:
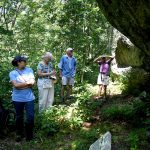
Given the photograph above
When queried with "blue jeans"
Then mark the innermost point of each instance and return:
(19, 107)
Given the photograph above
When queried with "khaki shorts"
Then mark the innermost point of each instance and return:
(67, 81)
(103, 79)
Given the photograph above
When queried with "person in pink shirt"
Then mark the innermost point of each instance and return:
(104, 73)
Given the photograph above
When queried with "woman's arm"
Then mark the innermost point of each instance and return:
(41, 74)
(31, 80)
(110, 60)
(97, 60)
(20, 85)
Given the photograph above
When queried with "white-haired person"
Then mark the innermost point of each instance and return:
(45, 81)
(67, 68)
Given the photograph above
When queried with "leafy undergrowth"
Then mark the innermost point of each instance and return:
(78, 123)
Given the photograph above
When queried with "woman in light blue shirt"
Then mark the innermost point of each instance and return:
(22, 79)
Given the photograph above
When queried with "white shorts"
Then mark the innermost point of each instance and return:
(67, 81)
(103, 79)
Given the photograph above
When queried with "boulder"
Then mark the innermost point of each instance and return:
(103, 143)
(127, 54)
(131, 18)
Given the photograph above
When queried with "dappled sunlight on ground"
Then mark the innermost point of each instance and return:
(81, 121)
(114, 88)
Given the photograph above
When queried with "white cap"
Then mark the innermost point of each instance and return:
(69, 49)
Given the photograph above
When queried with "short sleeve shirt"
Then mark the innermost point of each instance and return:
(45, 68)
(21, 76)
(104, 67)
(68, 66)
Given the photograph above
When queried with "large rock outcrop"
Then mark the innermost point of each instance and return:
(127, 54)
(132, 19)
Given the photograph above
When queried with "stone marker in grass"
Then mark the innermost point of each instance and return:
(103, 143)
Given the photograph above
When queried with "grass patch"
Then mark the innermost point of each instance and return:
(117, 112)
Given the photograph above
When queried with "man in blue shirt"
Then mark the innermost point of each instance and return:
(67, 68)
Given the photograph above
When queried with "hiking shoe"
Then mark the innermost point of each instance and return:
(29, 139)
(105, 98)
(62, 99)
(97, 97)
(18, 138)
(70, 97)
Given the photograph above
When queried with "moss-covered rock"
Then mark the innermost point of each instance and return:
(135, 81)
(127, 54)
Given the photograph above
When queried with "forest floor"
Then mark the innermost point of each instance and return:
(124, 136)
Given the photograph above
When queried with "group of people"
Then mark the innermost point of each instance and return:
(22, 79)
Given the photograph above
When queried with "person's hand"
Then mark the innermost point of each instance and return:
(60, 75)
(30, 82)
(53, 73)
(112, 57)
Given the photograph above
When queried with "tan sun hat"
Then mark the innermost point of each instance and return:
(103, 56)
